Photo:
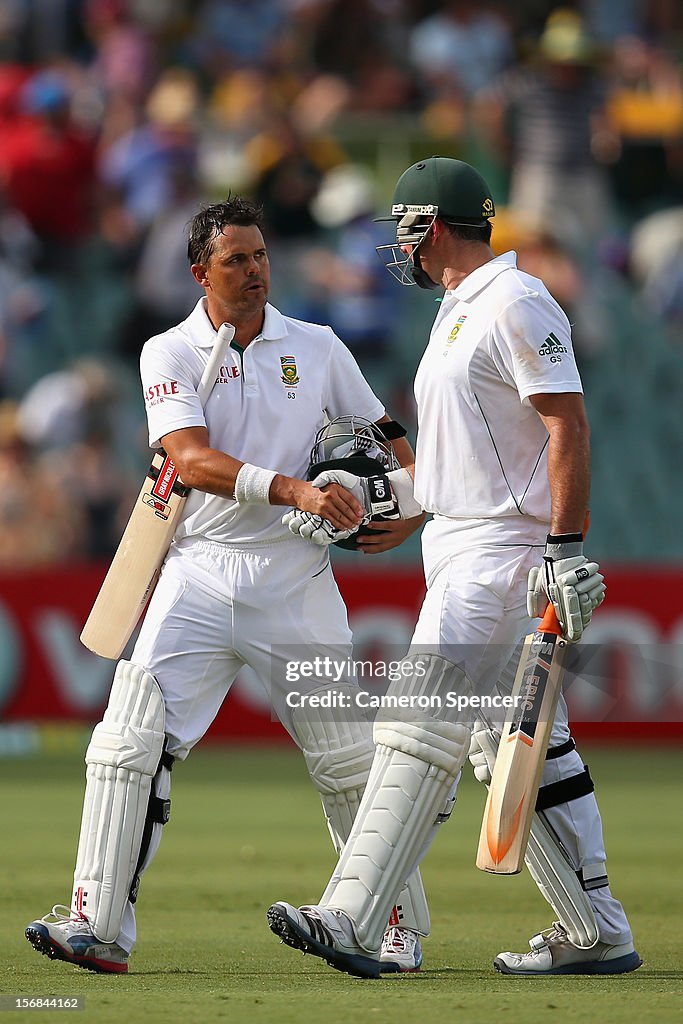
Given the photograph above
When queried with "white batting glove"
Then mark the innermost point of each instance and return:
(384, 494)
(373, 493)
(313, 527)
(573, 584)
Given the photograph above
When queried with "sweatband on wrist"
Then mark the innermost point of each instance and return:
(567, 545)
(252, 485)
(402, 485)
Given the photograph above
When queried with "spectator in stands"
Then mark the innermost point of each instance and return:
(22, 300)
(125, 56)
(48, 165)
(140, 166)
(546, 115)
(463, 44)
(645, 119)
(40, 522)
(349, 287)
(233, 33)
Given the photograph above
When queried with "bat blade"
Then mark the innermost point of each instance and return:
(135, 566)
(516, 777)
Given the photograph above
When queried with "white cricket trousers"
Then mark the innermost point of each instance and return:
(217, 608)
(475, 612)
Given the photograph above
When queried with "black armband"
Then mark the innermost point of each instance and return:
(391, 430)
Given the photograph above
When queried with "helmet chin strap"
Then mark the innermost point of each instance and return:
(420, 275)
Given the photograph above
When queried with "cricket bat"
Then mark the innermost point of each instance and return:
(135, 567)
(516, 777)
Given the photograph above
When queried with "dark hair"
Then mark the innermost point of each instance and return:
(206, 225)
(470, 233)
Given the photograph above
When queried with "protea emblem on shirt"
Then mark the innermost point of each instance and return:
(290, 376)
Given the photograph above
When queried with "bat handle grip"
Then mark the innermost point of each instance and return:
(550, 623)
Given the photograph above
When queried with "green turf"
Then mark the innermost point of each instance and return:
(246, 830)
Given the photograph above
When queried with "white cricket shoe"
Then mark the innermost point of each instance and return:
(401, 951)
(324, 933)
(68, 936)
(553, 953)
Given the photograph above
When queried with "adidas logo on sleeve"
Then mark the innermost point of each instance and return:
(552, 347)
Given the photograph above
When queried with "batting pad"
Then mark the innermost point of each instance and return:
(417, 761)
(558, 882)
(339, 752)
(548, 863)
(121, 760)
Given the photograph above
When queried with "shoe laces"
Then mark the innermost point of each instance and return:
(556, 933)
(399, 940)
(71, 916)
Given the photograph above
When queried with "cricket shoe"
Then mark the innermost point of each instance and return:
(553, 953)
(401, 951)
(69, 937)
(324, 933)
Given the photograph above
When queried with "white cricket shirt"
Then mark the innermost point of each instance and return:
(481, 446)
(268, 402)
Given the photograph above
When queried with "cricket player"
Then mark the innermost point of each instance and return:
(237, 588)
(502, 463)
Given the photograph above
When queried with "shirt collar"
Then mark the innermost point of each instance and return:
(482, 276)
(202, 334)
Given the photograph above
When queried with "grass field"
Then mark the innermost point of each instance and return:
(246, 830)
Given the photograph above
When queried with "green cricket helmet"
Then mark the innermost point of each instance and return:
(438, 187)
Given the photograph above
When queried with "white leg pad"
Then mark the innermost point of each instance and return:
(338, 751)
(402, 799)
(417, 761)
(559, 884)
(545, 858)
(339, 754)
(122, 759)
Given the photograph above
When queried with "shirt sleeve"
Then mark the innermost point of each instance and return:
(348, 392)
(169, 385)
(531, 347)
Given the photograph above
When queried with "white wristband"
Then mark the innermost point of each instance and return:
(252, 485)
(402, 485)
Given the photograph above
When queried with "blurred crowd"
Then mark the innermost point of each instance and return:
(119, 118)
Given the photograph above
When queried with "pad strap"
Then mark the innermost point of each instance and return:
(592, 876)
(561, 750)
(565, 790)
(158, 813)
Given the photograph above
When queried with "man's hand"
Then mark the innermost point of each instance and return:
(573, 584)
(388, 534)
(336, 504)
(373, 493)
(314, 527)
(354, 501)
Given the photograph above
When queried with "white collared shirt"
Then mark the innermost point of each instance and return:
(498, 338)
(268, 402)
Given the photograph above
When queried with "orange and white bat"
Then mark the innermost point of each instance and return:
(516, 776)
(135, 567)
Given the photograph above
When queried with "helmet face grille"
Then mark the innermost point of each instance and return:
(348, 436)
(412, 228)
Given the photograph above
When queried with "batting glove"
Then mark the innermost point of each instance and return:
(389, 495)
(573, 584)
(313, 527)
